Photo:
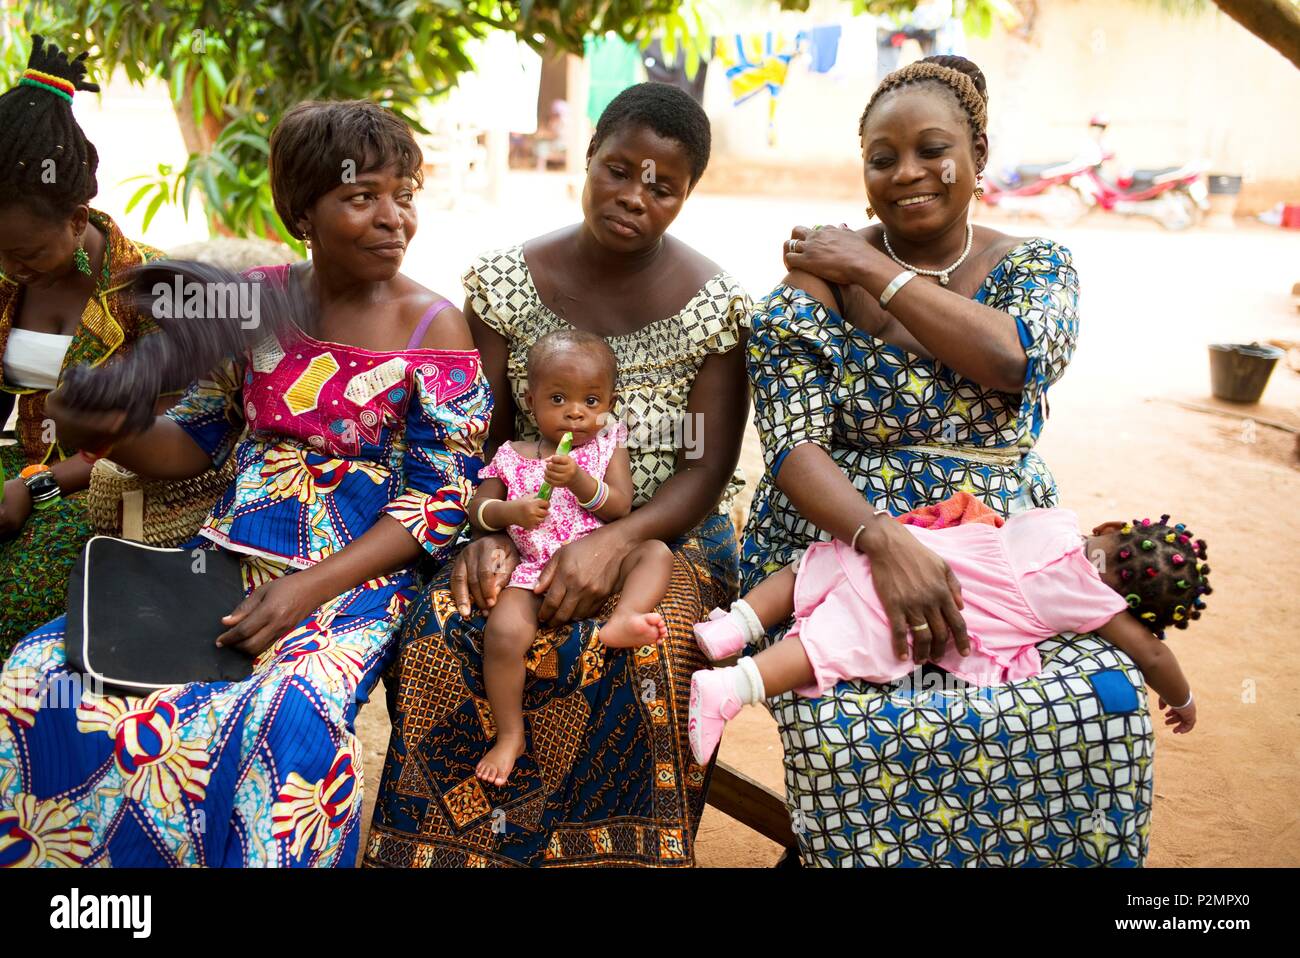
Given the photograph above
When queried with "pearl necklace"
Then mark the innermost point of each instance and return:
(941, 273)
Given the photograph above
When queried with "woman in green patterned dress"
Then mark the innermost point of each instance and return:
(61, 305)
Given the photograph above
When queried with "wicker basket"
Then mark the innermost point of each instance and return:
(156, 512)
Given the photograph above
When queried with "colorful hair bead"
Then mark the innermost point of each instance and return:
(1150, 572)
(1146, 523)
(1125, 574)
(1181, 527)
(1169, 537)
(1133, 600)
(1126, 528)
(1149, 616)
(1181, 583)
(1184, 540)
(1177, 558)
(1126, 553)
(1178, 617)
(1148, 544)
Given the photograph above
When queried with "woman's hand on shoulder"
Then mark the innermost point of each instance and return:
(836, 254)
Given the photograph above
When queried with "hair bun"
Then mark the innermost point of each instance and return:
(962, 65)
(48, 58)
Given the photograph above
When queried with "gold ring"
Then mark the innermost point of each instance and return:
(919, 628)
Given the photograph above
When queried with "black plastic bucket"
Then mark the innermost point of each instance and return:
(1239, 372)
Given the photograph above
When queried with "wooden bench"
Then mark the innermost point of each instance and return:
(757, 806)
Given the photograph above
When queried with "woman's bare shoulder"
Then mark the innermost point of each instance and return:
(448, 328)
(694, 268)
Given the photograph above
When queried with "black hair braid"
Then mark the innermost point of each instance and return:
(1160, 576)
(46, 161)
(961, 76)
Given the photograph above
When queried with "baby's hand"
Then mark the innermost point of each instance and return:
(1183, 719)
(531, 512)
(560, 470)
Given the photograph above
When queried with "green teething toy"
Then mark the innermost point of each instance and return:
(566, 443)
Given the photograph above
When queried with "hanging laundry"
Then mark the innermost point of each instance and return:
(756, 63)
(855, 57)
(614, 65)
(822, 44)
(656, 69)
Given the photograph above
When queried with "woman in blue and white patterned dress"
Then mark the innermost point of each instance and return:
(893, 367)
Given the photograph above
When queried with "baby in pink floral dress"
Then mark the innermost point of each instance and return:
(571, 376)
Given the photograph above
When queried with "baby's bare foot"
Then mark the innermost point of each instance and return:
(630, 629)
(495, 767)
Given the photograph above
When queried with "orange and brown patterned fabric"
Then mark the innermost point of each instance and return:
(608, 777)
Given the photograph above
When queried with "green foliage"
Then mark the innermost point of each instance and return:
(233, 68)
(978, 16)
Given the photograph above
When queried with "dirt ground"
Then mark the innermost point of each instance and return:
(1151, 302)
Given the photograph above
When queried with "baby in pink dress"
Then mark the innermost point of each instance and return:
(1035, 577)
(571, 378)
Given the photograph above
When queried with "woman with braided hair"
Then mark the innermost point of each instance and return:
(894, 367)
(62, 304)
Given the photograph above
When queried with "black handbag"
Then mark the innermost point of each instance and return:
(141, 618)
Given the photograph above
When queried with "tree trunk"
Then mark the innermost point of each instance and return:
(199, 139)
(1276, 22)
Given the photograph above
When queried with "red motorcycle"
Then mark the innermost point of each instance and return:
(1045, 190)
(1176, 197)
(1061, 193)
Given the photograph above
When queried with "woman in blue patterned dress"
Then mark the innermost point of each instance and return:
(864, 409)
(363, 438)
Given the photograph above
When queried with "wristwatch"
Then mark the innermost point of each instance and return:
(42, 486)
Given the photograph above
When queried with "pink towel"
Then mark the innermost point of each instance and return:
(956, 510)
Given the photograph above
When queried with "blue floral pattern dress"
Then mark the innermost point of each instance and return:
(872, 781)
(266, 771)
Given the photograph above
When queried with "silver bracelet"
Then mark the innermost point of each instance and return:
(1185, 704)
(895, 284)
(853, 543)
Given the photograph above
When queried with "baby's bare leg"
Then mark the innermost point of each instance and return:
(644, 576)
(511, 629)
(773, 599)
(784, 667)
